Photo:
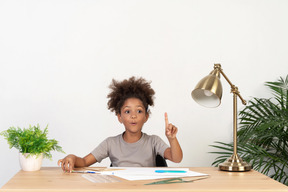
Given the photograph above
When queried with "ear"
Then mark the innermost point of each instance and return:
(147, 116)
(119, 118)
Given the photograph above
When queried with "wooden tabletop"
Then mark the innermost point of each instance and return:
(53, 179)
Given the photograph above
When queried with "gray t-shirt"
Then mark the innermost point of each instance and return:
(139, 154)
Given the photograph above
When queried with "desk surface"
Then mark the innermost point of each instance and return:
(53, 179)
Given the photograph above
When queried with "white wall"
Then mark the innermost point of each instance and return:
(58, 57)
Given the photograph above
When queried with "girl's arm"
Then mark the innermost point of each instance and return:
(174, 152)
(71, 161)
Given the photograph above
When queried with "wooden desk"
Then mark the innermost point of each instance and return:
(53, 179)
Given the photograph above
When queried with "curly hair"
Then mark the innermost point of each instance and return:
(130, 88)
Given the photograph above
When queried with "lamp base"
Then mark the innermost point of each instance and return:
(235, 163)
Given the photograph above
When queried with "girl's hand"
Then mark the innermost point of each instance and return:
(67, 163)
(170, 129)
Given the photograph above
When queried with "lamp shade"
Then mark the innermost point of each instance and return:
(208, 92)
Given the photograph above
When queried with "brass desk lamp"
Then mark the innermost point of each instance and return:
(208, 93)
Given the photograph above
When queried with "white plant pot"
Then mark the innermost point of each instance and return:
(31, 163)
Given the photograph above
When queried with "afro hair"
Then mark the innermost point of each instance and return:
(130, 88)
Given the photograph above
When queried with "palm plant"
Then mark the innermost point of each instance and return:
(263, 135)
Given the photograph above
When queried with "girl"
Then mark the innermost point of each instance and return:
(130, 100)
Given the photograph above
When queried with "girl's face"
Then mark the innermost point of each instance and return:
(133, 115)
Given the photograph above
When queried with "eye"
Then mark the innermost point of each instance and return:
(139, 111)
(127, 111)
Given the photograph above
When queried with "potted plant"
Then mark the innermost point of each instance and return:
(263, 133)
(33, 145)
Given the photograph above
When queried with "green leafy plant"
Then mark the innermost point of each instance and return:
(263, 135)
(31, 140)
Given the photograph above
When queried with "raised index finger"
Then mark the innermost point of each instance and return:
(166, 119)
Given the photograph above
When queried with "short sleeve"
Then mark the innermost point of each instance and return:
(159, 145)
(101, 151)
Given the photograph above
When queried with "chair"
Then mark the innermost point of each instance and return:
(160, 162)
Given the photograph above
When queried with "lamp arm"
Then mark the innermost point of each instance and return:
(234, 89)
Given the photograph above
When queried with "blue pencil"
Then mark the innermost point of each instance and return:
(170, 171)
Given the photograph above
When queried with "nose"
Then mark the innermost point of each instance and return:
(133, 115)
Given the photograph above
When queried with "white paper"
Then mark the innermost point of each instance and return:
(95, 178)
(147, 173)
